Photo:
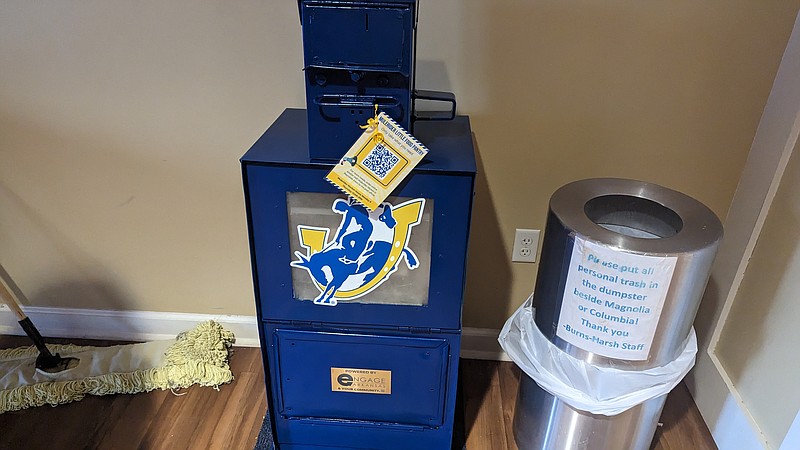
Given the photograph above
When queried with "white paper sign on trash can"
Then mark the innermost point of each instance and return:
(613, 299)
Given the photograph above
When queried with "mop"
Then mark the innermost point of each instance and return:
(56, 374)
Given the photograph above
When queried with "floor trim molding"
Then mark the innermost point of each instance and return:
(476, 343)
(481, 343)
(125, 325)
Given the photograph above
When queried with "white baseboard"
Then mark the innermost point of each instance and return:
(73, 323)
(733, 429)
(792, 439)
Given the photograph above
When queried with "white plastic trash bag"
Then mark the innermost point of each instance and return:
(583, 386)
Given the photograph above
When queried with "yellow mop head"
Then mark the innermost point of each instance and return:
(198, 356)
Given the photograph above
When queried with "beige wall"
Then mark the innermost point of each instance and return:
(121, 124)
(758, 345)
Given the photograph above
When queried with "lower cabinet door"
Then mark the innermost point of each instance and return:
(361, 377)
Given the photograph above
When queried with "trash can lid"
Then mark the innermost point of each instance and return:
(636, 216)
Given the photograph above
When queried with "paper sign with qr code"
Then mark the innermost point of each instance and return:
(379, 160)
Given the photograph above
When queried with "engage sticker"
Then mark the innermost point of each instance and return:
(613, 300)
(361, 381)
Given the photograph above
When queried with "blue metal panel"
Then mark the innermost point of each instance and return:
(338, 108)
(357, 54)
(269, 176)
(417, 365)
(286, 143)
(452, 195)
(393, 335)
(333, 431)
(360, 36)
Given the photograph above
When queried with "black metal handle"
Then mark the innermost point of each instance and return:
(438, 96)
(34, 335)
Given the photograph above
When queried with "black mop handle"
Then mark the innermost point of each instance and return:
(11, 300)
(37, 338)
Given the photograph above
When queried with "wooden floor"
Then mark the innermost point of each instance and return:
(202, 418)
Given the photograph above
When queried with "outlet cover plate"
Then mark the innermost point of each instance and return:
(526, 243)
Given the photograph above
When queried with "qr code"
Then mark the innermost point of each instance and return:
(380, 161)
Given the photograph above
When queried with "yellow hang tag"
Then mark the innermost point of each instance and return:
(377, 162)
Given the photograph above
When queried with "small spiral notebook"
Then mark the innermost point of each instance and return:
(377, 162)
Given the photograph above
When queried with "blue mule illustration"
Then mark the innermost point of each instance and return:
(364, 252)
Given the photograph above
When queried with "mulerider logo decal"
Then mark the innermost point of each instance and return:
(364, 252)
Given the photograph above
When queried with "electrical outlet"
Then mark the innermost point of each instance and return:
(525, 244)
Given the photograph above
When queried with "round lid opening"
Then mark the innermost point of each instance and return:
(633, 216)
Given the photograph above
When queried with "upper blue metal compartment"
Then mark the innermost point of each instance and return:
(286, 142)
(359, 35)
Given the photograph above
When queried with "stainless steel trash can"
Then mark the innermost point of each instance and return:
(618, 256)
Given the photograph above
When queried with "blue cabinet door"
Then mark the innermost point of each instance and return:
(314, 262)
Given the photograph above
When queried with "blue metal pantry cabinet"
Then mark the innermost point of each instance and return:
(360, 312)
